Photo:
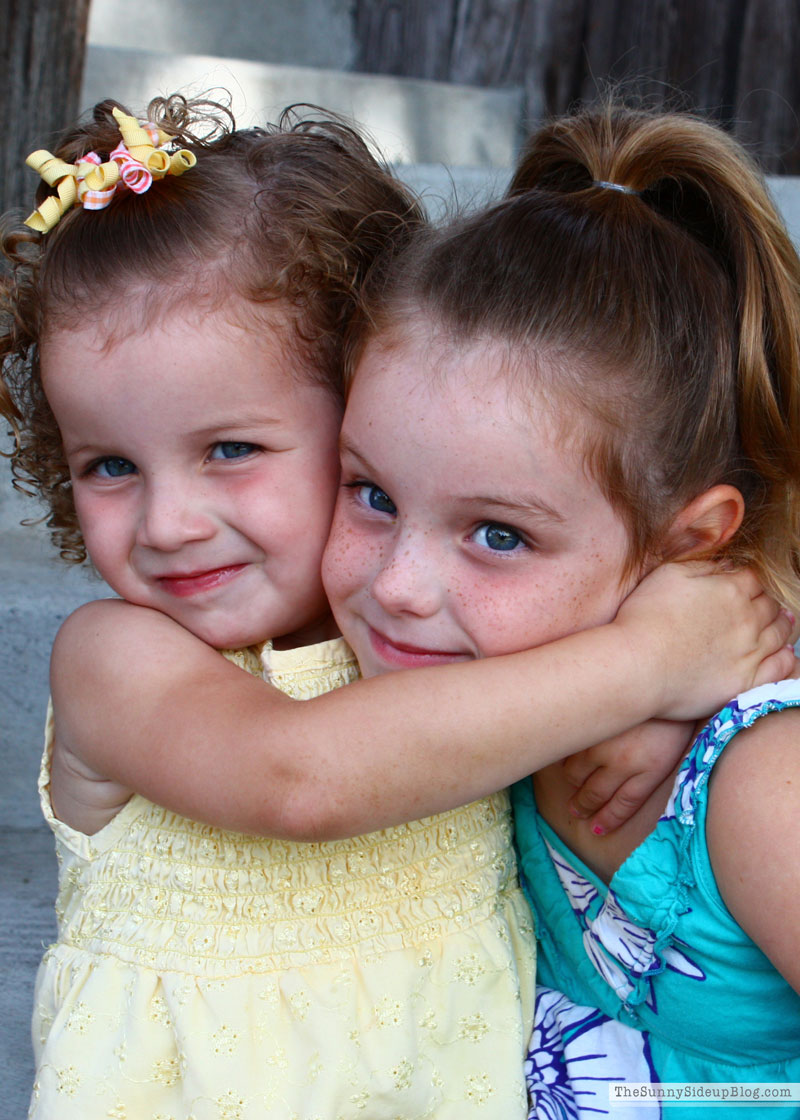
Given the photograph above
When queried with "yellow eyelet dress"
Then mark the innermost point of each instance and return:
(207, 975)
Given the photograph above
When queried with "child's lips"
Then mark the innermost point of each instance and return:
(406, 656)
(185, 584)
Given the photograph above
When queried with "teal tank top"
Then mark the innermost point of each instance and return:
(650, 978)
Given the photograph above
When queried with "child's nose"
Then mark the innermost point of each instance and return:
(174, 514)
(408, 582)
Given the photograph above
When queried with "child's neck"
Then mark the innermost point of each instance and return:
(321, 630)
(605, 854)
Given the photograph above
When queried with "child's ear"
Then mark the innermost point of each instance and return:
(705, 524)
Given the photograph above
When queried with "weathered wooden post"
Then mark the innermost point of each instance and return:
(42, 48)
(735, 59)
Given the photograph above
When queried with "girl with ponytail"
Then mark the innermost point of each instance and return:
(598, 374)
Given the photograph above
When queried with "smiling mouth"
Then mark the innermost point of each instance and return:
(405, 656)
(194, 583)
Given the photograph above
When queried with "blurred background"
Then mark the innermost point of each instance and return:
(453, 81)
(447, 89)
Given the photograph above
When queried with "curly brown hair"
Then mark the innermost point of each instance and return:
(297, 211)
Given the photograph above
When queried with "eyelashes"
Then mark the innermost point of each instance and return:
(111, 467)
(233, 449)
(493, 536)
(372, 496)
(497, 537)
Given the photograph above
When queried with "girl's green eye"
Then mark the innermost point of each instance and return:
(498, 538)
(232, 449)
(113, 468)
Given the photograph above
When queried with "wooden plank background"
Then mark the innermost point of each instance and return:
(737, 59)
(42, 45)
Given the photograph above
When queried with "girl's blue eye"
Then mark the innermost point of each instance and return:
(231, 449)
(113, 468)
(499, 538)
(376, 498)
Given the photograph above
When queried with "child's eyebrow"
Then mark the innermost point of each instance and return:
(526, 506)
(346, 447)
(246, 421)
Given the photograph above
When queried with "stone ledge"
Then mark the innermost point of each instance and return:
(410, 120)
(28, 883)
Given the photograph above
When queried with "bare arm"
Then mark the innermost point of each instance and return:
(143, 704)
(753, 831)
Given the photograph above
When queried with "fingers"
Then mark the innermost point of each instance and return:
(765, 609)
(777, 667)
(578, 767)
(622, 805)
(780, 631)
(611, 795)
(748, 581)
(618, 776)
(593, 794)
(775, 633)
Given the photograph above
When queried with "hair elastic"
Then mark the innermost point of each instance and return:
(614, 187)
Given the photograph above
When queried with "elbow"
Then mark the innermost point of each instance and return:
(309, 819)
(309, 812)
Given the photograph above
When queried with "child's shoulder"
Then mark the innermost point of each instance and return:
(112, 617)
(759, 769)
(109, 637)
(740, 735)
(753, 824)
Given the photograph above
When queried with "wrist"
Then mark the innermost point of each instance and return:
(644, 674)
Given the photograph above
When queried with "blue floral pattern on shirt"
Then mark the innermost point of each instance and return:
(573, 1058)
(577, 1051)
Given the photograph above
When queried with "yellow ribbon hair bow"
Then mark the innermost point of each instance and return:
(90, 183)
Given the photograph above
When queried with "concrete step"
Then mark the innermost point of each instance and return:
(39, 591)
(28, 886)
(297, 32)
(412, 121)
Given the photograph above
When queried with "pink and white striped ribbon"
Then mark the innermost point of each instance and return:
(133, 174)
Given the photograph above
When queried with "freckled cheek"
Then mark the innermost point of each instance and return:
(347, 561)
(498, 619)
(511, 619)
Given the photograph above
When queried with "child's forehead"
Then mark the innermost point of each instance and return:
(478, 382)
(466, 440)
(528, 375)
(142, 309)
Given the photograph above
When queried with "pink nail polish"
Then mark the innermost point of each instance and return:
(598, 830)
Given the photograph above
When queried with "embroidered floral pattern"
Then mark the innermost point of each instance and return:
(264, 977)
